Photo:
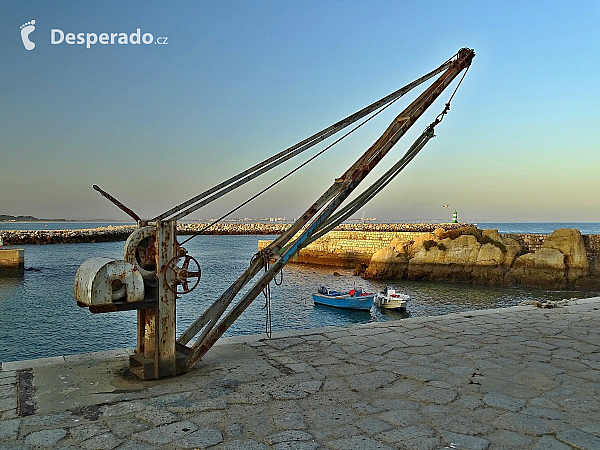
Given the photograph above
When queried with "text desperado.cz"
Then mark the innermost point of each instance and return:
(57, 36)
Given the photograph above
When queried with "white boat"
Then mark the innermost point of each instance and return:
(389, 299)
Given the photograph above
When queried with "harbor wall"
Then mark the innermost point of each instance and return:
(348, 248)
(342, 248)
(354, 245)
(122, 232)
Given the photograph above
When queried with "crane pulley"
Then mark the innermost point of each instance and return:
(158, 265)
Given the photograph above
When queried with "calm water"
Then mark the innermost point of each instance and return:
(39, 317)
(57, 225)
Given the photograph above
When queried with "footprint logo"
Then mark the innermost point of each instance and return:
(26, 30)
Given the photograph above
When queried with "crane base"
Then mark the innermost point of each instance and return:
(145, 368)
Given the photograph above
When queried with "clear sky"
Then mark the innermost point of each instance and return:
(239, 81)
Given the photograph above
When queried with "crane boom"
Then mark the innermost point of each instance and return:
(200, 200)
(284, 248)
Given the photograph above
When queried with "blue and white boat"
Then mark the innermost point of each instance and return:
(354, 299)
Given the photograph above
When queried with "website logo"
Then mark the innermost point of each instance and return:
(58, 36)
(26, 29)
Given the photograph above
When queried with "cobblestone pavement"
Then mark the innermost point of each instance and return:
(513, 378)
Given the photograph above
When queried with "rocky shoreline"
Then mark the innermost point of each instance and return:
(121, 232)
(486, 257)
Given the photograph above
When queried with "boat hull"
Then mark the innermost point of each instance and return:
(363, 302)
(389, 299)
(390, 304)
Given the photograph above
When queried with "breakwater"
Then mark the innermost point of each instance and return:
(121, 232)
(562, 260)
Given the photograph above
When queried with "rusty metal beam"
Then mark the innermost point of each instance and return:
(117, 203)
(340, 190)
(165, 362)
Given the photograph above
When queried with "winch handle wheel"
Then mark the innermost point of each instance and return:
(180, 275)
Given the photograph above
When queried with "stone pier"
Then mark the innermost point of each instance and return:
(514, 378)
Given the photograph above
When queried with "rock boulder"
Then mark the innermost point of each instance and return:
(544, 269)
(512, 247)
(570, 243)
(449, 260)
(487, 257)
(387, 263)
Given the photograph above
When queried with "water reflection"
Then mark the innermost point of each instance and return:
(339, 316)
(395, 314)
(11, 287)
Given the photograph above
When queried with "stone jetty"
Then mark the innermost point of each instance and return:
(564, 259)
(121, 232)
(514, 378)
(102, 234)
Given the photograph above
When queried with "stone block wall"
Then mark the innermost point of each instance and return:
(348, 249)
(359, 241)
(592, 249)
(592, 245)
(533, 242)
(529, 242)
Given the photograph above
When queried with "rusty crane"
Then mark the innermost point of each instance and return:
(156, 268)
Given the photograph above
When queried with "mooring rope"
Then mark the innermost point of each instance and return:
(267, 294)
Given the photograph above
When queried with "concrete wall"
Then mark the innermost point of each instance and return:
(12, 261)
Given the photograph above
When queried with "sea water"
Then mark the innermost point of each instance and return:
(39, 316)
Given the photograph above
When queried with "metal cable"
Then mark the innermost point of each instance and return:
(441, 115)
(289, 173)
(260, 168)
(385, 179)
